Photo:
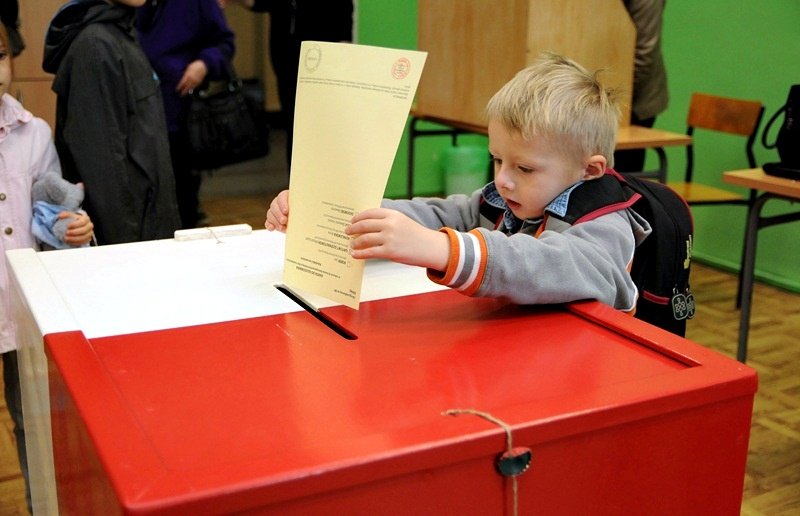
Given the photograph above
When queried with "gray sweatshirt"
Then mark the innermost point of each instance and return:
(531, 262)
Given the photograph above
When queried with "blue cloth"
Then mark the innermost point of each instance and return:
(45, 216)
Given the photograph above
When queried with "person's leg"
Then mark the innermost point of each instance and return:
(293, 52)
(13, 396)
(285, 44)
(632, 160)
(282, 58)
(187, 180)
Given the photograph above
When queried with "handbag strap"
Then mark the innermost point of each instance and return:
(769, 125)
(232, 84)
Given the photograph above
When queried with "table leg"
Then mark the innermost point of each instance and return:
(748, 266)
(755, 222)
(662, 165)
(659, 174)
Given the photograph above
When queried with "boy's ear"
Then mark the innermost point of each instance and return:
(595, 167)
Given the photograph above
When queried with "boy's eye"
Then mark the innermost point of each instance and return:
(497, 162)
(3, 54)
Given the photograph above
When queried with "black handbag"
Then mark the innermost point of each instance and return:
(225, 126)
(788, 140)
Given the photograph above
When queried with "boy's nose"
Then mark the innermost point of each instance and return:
(502, 178)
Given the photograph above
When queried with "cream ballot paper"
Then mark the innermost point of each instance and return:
(352, 105)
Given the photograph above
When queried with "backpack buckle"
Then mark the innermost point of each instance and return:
(682, 303)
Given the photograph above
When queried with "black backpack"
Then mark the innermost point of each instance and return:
(661, 263)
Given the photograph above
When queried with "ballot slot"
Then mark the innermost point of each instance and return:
(324, 319)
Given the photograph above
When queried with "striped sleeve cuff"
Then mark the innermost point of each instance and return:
(467, 263)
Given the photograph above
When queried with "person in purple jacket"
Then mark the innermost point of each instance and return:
(187, 42)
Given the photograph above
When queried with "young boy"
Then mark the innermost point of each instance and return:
(552, 130)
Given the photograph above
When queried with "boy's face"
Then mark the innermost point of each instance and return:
(529, 174)
(5, 69)
(132, 3)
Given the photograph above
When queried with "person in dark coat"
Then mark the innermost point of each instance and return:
(291, 23)
(111, 132)
(187, 42)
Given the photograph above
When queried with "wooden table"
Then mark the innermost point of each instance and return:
(628, 137)
(771, 187)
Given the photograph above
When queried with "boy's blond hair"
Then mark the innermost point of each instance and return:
(559, 100)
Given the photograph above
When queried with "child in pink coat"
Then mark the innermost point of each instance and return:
(27, 153)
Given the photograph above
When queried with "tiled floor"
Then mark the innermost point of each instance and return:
(12, 486)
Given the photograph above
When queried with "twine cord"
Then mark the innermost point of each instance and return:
(214, 235)
(507, 428)
(488, 417)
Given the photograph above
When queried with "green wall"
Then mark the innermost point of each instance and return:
(748, 49)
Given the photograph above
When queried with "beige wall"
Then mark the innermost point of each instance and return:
(32, 86)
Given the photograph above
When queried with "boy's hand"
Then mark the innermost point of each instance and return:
(80, 230)
(278, 213)
(384, 233)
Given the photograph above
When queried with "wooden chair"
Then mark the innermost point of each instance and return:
(722, 114)
(726, 115)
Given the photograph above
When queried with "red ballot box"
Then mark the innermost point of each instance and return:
(280, 415)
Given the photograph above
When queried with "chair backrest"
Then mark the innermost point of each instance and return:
(723, 114)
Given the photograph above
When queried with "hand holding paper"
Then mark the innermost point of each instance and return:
(352, 106)
(391, 235)
(278, 213)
